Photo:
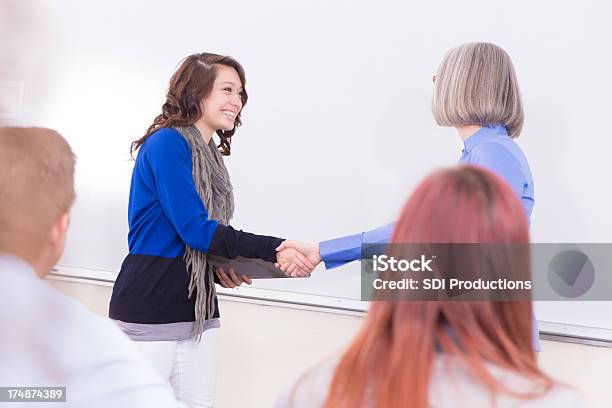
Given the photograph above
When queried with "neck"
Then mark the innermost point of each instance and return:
(38, 263)
(41, 268)
(467, 131)
(204, 130)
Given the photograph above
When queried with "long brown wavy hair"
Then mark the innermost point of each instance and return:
(191, 83)
(390, 362)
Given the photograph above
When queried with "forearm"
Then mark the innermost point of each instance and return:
(230, 243)
(339, 251)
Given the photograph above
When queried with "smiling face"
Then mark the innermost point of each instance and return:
(224, 103)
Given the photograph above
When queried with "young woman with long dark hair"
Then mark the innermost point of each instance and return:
(181, 203)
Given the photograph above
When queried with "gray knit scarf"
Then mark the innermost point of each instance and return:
(213, 184)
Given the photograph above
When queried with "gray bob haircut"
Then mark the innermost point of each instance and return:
(476, 85)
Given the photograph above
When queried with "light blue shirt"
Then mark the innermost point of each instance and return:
(493, 149)
(490, 147)
(48, 339)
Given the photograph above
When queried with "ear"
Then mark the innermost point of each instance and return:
(59, 231)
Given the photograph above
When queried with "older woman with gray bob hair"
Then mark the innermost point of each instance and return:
(475, 91)
(476, 85)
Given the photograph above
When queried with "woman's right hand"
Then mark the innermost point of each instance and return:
(297, 259)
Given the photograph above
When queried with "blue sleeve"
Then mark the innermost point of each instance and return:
(500, 161)
(169, 157)
(339, 251)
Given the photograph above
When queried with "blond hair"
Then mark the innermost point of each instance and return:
(36, 183)
(476, 85)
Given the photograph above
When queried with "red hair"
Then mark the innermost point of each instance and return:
(389, 364)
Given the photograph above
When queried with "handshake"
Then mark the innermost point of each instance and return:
(295, 258)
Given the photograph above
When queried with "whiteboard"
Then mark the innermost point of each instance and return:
(338, 128)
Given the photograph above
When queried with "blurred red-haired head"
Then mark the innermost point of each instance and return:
(392, 356)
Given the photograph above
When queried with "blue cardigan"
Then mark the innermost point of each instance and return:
(165, 212)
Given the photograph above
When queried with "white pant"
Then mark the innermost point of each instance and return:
(190, 367)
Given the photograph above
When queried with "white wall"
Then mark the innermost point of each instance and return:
(338, 129)
(262, 348)
(339, 114)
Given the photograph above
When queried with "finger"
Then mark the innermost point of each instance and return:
(226, 282)
(291, 268)
(218, 272)
(235, 279)
(247, 279)
(281, 246)
(298, 262)
(300, 273)
(277, 265)
(284, 269)
(306, 262)
(303, 269)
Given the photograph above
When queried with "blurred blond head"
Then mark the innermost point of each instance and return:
(36, 193)
(476, 85)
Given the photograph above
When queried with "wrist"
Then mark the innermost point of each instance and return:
(318, 252)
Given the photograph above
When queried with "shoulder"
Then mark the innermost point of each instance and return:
(504, 159)
(81, 326)
(164, 147)
(495, 150)
(311, 388)
(559, 396)
(79, 339)
(97, 345)
(452, 378)
(165, 138)
(70, 345)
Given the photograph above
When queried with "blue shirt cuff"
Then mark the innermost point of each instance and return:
(339, 251)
